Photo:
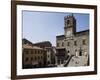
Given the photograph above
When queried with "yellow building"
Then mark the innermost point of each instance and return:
(33, 56)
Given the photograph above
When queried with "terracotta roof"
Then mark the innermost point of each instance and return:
(25, 41)
(43, 44)
(26, 46)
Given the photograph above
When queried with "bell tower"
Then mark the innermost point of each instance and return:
(69, 25)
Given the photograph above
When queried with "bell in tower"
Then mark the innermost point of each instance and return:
(70, 25)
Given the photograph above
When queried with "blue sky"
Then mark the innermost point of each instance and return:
(45, 26)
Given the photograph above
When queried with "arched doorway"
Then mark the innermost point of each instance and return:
(80, 53)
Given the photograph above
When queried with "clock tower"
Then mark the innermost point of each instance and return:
(70, 25)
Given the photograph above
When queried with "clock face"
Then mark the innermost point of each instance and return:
(68, 33)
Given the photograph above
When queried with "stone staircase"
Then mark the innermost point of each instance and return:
(67, 61)
(78, 61)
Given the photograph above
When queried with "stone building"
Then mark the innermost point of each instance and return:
(72, 43)
(37, 55)
(32, 56)
(50, 55)
(50, 52)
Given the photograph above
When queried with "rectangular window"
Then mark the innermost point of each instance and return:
(62, 43)
(75, 43)
(41, 57)
(35, 51)
(57, 44)
(35, 58)
(31, 58)
(84, 41)
(31, 51)
(26, 59)
(39, 51)
(68, 43)
(26, 51)
(38, 57)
